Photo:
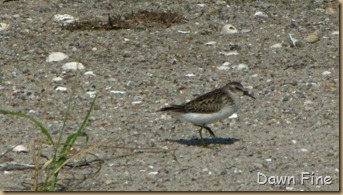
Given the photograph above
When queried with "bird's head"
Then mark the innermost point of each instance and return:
(237, 88)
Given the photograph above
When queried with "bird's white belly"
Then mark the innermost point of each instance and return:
(205, 118)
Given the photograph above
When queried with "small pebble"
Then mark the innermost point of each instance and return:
(335, 33)
(118, 92)
(32, 111)
(89, 73)
(245, 30)
(73, 66)
(233, 116)
(56, 79)
(190, 75)
(276, 45)
(260, 14)
(61, 89)
(210, 43)
(225, 66)
(303, 150)
(64, 18)
(242, 67)
(326, 73)
(330, 11)
(153, 173)
(220, 2)
(237, 170)
(312, 38)
(308, 102)
(163, 101)
(183, 32)
(231, 53)
(136, 102)
(56, 56)
(258, 165)
(91, 94)
(331, 85)
(20, 148)
(4, 26)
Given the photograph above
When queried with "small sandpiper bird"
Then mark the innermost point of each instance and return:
(213, 106)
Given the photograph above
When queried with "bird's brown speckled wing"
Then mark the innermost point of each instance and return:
(208, 103)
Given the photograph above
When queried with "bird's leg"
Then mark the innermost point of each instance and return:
(202, 140)
(209, 130)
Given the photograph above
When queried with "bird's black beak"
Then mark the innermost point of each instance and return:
(248, 94)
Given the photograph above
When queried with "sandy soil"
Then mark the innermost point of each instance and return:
(291, 128)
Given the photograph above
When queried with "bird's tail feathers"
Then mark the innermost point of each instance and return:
(174, 108)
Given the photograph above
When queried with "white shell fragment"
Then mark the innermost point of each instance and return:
(260, 14)
(153, 173)
(73, 66)
(233, 116)
(326, 73)
(61, 89)
(242, 67)
(20, 148)
(245, 30)
(303, 150)
(335, 33)
(4, 26)
(32, 111)
(64, 18)
(225, 66)
(294, 42)
(91, 94)
(228, 29)
(231, 53)
(118, 92)
(190, 75)
(56, 79)
(210, 43)
(183, 32)
(276, 45)
(56, 56)
(89, 73)
(136, 102)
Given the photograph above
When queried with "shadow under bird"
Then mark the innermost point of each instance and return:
(211, 107)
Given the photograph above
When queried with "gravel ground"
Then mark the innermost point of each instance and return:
(291, 128)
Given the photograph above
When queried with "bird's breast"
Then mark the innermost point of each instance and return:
(206, 118)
